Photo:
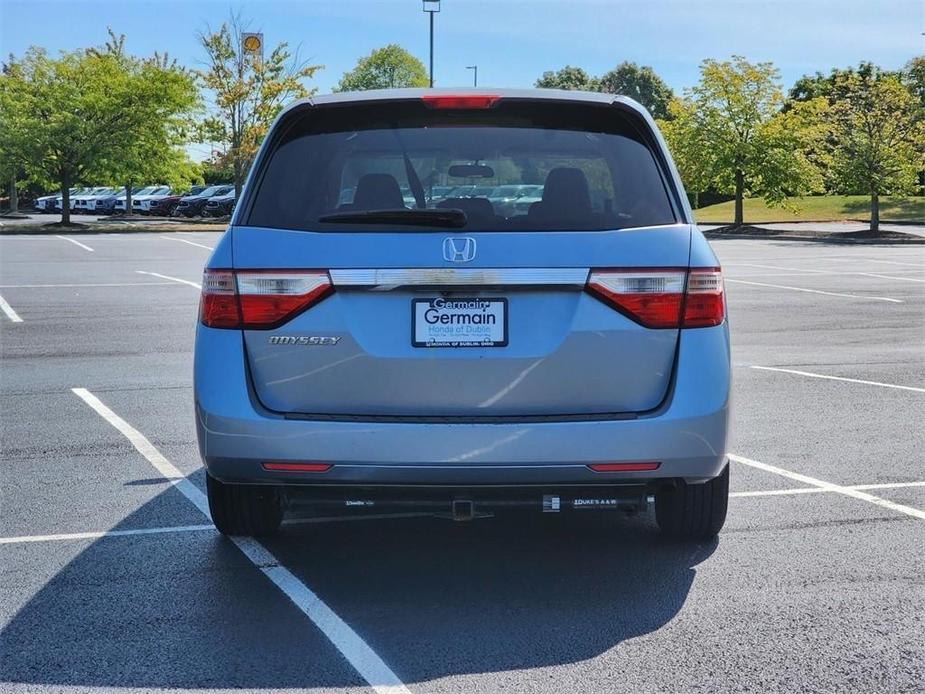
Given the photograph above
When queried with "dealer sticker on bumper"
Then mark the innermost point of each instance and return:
(459, 322)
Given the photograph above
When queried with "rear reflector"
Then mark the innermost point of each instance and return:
(656, 298)
(624, 467)
(460, 101)
(297, 467)
(259, 299)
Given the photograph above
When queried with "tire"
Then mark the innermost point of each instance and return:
(241, 509)
(693, 511)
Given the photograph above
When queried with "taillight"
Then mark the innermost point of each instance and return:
(460, 101)
(656, 298)
(259, 299)
(704, 305)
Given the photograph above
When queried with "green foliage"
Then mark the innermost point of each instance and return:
(569, 77)
(913, 76)
(96, 115)
(248, 91)
(879, 138)
(641, 84)
(692, 154)
(754, 147)
(385, 68)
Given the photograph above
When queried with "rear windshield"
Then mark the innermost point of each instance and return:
(519, 166)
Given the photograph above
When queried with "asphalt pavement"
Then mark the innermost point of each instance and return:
(113, 580)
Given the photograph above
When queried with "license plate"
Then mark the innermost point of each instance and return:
(459, 322)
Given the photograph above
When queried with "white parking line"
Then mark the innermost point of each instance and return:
(820, 490)
(837, 378)
(104, 533)
(76, 243)
(104, 284)
(8, 310)
(830, 487)
(357, 652)
(819, 291)
(168, 277)
(191, 243)
(827, 272)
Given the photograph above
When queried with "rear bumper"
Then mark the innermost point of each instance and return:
(687, 434)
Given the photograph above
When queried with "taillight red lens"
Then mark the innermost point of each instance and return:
(460, 101)
(297, 467)
(705, 304)
(650, 297)
(218, 307)
(259, 299)
(655, 298)
(624, 467)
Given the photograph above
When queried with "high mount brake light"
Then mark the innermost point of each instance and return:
(259, 299)
(663, 297)
(460, 101)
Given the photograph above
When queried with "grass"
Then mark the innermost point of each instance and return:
(821, 208)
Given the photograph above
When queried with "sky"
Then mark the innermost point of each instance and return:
(511, 41)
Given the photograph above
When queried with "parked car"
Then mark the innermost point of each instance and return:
(219, 205)
(192, 205)
(59, 199)
(46, 203)
(371, 356)
(119, 206)
(502, 198)
(532, 194)
(142, 202)
(81, 203)
(163, 206)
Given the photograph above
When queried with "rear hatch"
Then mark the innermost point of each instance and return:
(450, 308)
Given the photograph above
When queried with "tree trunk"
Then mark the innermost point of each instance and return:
(874, 212)
(14, 197)
(128, 199)
(66, 197)
(696, 200)
(237, 176)
(740, 191)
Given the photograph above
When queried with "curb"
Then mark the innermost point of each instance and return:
(834, 238)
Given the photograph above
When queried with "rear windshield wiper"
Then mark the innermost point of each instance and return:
(437, 218)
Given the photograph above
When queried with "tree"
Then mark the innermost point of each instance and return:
(569, 77)
(691, 152)
(641, 84)
(385, 68)
(757, 149)
(913, 76)
(248, 91)
(78, 118)
(879, 139)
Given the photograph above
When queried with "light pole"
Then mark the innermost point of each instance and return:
(430, 7)
(475, 74)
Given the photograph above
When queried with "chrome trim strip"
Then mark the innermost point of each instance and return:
(389, 278)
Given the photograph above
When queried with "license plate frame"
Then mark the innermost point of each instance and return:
(451, 343)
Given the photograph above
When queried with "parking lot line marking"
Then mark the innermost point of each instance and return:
(168, 277)
(827, 272)
(829, 486)
(107, 284)
(104, 533)
(921, 266)
(818, 291)
(8, 310)
(191, 243)
(76, 243)
(820, 490)
(837, 378)
(357, 652)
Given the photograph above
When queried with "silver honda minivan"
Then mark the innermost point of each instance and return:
(365, 344)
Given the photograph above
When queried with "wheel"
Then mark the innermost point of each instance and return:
(693, 511)
(241, 509)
